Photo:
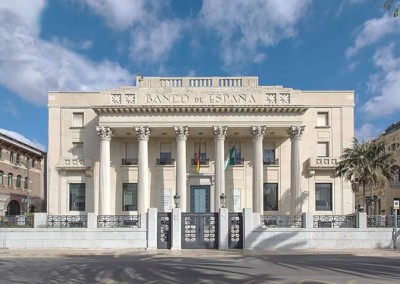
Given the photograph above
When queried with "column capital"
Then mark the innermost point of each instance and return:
(220, 132)
(181, 132)
(143, 132)
(295, 132)
(258, 132)
(104, 132)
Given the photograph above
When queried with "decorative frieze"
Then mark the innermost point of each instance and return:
(284, 98)
(104, 132)
(181, 132)
(271, 99)
(296, 131)
(116, 99)
(220, 132)
(130, 99)
(257, 132)
(143, 132)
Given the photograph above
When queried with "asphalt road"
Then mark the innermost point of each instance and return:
(199, 266)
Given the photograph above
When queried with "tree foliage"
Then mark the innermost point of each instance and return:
(392, 5)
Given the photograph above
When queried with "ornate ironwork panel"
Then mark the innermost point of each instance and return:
(16, 221)
(235, 231)
(67, 221)
(281, 221)
(390, 221)
(379, 221)
(164, 230)
(199, 230)
(334, 221)
(118, 221)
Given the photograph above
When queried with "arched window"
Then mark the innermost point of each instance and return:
(11, 156)
(26, 185)
(1, 177)
(19, 179)
(9, 180)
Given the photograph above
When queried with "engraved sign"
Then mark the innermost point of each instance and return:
(166, 200)
(236, 200)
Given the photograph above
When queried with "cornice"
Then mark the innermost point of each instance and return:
(112, 109)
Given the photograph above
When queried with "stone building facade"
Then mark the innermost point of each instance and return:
(269, 148)
(22, 177)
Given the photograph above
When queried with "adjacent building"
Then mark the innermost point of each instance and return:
(22, 177)
(207, 141)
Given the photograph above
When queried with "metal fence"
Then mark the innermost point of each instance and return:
(281, 221)
(67, 221)
(118, 221)
(16, 221)
(334, 221)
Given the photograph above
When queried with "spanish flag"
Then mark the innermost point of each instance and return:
(198, 159)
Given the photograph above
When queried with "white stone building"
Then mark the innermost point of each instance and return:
(122, 151)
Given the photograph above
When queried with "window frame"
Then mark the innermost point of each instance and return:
(329, 206)
(326, 119)
(274, 207)
(203, 152)
(73, 196)
(18, 182)
(1, 177)
(10, 177)
(326, 143)
(130, 186)
(74, 121)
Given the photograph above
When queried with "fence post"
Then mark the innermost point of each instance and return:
(91, 220)
(223, 220)
(361, 220)
(39, 220)
(176, 242)
(151, 227)
(247, 227)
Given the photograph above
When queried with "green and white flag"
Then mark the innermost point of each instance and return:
(230, 159)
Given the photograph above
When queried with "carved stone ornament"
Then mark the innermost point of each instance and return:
(257, 132)
(295, 132)
(130, 99)
(284, 98)
(181, 132)
(143, 132)
(220, 132)
(104, 132)
(116, 99)
(271, 98)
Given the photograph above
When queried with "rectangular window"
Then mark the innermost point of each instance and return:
(11, 156)
(270, 197)
(77, 119)
(27, 164)
(165, 154)
(323, 119)
(77, 196)
(77, 149)
(323, 149)
(269, 154)
(237, 152)
(323, 197)
(129, 202)
(17, 159)
(203, 153)
(1, 151)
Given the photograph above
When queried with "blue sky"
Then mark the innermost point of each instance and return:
(77, 45)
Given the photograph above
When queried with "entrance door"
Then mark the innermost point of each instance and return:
(199, 230)
(199, 199)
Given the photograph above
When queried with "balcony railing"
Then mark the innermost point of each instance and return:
(16, 221)
(202, 162)
(74, 164)
(129, 161)
(271, 162)
(118, 221)
(281, 221)
(334, 221)
(66, 221)
(165, 162)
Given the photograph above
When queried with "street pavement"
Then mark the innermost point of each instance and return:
(199, 266)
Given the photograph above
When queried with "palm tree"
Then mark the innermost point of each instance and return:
(366, 164)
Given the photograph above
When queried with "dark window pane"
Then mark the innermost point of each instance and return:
(270, 197)
(129, 197)
(323, 197)
(77, 196)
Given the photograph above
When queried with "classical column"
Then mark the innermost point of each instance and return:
(105, 134)
(143, 133)
(295, 133)
(181, 133)
(258, 133)
(219, 137)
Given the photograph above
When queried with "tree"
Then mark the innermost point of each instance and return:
(366, 164)
(388, 5)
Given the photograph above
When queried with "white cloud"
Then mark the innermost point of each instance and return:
(31, 67)
(386, 84)
(372, 31)
(9, 107)
(246, 26)
(366, 132)
(23, 139)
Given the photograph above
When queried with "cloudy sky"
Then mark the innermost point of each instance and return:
(78, 45)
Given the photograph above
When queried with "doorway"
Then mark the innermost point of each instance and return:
(199, 199)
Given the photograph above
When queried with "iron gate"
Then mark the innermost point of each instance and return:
(235, 231)
(164, 230)
(199, 230)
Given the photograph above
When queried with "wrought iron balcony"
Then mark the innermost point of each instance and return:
(129, 161)
(165, 162)
(203, 162)
(270, 162)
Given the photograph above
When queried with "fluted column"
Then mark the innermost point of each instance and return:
(219, 137)
(181, 133)
(295, 134)
(105, 134)
(258, 133)
(143, 133)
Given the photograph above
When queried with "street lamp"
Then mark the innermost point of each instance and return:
(176, 200)
(222, 200)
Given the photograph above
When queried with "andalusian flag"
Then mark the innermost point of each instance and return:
(198, 159)
(230, 159)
